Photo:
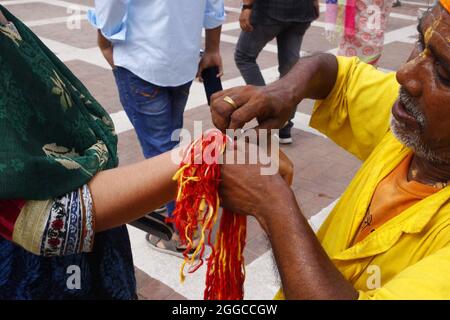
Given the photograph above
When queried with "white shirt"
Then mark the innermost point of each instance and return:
(158, 40)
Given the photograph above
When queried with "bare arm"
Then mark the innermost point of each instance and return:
(124, 194)
(312, 77)
(305, 269)
(106, 48)
(212, 39)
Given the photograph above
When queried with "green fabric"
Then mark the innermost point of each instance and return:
(54, 135)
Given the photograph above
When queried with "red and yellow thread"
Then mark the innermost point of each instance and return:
(196, 213)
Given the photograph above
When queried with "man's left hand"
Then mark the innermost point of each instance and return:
(210, 59)
(245, 20)
(245, 190)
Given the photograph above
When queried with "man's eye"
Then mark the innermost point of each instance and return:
(443, 75)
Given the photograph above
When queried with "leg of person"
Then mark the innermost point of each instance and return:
(146, 106)
(289, 43)
(178, 97)
(248, 48)
(152, 118)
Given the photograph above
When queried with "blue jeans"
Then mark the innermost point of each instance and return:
(154, 111)
(289, 37)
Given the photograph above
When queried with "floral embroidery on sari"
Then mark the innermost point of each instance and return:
(60, 90)
(11, 32)
(69, 229)
(55, 231)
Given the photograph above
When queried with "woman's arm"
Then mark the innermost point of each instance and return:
(67, 224)
(125, 194)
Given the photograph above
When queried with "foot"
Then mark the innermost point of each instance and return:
(285, 136)
(172, 246)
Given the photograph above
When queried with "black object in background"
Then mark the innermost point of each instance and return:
(154, 224)
(211, 82)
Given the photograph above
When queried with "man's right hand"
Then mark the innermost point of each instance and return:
(272, 109)
(244, 20)
(312, 77)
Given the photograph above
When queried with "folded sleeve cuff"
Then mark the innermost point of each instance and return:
(113, 33)
(215, 18)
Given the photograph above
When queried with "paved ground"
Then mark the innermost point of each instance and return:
(322, 169)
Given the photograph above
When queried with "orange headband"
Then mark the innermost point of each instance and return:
(445, 4)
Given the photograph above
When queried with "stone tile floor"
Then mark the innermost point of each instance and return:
(322, 170)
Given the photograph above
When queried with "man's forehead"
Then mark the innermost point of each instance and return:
(435, 29)
(437, 18)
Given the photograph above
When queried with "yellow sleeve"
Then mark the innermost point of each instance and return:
(427, 279)
(356, 113)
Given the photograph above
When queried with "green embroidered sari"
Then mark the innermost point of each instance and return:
(54, 135)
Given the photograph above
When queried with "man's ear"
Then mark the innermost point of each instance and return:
(3, 19)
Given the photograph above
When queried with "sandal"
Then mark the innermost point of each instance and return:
(169, 246)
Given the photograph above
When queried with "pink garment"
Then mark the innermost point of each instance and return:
(350, 16)
(370, 25)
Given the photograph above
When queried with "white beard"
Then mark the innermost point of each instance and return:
(413, 140)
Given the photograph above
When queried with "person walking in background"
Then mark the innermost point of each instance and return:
(358, 27)
(153, 48)
(263, 20)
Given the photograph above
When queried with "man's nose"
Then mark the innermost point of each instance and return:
(409, 77)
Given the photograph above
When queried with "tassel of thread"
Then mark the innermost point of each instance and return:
(226, 272)
(196, 213)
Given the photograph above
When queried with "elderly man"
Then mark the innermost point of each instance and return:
(388, 237)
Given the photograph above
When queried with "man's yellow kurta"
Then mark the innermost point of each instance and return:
(409, 256)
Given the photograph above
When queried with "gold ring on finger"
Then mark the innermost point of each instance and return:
(230, 101)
